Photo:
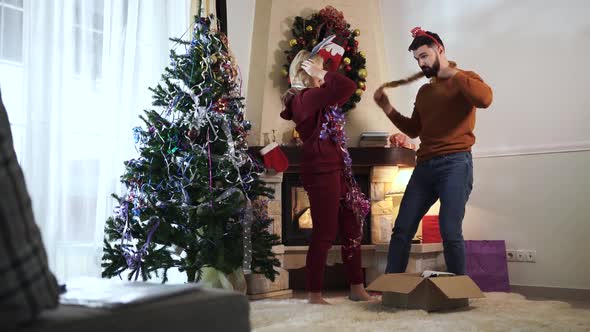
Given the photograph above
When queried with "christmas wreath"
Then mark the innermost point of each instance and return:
(307, 32)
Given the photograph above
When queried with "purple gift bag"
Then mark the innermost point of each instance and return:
(486, 264)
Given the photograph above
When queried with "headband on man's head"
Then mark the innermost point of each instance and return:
(418, 32)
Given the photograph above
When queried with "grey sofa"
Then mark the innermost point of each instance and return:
(197, 310)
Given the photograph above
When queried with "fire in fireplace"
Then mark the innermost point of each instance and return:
(296, 214)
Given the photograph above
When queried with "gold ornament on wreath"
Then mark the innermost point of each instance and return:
(308, 31)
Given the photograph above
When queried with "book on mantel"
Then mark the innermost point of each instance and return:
(374, 139)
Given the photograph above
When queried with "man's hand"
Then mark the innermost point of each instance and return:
(382, 100)
(400, 140)
(447, 72)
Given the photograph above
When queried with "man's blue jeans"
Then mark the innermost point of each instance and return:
(450, 178)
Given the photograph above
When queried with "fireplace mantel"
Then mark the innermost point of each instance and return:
(361, 157)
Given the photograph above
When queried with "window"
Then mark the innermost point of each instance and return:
(88, 36)
(11, 71)
(11, 30)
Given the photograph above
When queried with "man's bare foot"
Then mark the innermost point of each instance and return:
(316, 298)
(358, 293)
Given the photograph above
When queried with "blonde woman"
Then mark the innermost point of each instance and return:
(313, 92)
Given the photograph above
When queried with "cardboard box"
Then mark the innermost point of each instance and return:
(411, 291)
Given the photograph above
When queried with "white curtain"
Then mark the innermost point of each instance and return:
(74, 75)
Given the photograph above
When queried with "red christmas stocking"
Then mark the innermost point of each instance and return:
(274, 157)
(331, 49)
(332, 54)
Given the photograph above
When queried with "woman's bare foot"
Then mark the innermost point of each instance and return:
(358, 293)
(316, 298)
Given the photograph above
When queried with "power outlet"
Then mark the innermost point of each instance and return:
(511, 255)
(530, 256)
(521, 255)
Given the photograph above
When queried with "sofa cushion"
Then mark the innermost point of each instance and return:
(196, 309)
(26, 285)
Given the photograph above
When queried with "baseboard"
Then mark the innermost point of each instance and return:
(553, 293)
(532, 150)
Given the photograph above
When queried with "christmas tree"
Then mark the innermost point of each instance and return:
(194, 198)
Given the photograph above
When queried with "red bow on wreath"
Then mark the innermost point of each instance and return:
(334, 18)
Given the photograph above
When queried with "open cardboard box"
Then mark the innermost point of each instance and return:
(412, 291)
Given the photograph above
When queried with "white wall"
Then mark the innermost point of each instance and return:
(530, 51)
(533, 55)
(536, 202)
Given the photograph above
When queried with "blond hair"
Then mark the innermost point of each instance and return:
(299, 78)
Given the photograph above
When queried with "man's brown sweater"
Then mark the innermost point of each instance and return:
(444, 114)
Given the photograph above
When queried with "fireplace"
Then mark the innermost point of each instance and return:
(296, 214)
(375, 170)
